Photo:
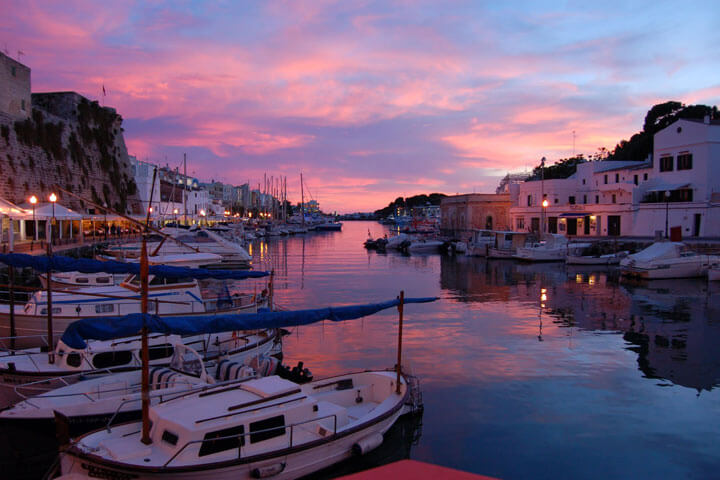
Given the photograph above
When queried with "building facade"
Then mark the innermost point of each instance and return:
(678, 187)
(15, 95)
(460, 214)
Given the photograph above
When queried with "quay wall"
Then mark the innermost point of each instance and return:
(70, 142)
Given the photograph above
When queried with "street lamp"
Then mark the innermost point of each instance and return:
(175, 212)
(33, 201)
(667, 207)
(105, 213)
(53, 199)
(202, 214)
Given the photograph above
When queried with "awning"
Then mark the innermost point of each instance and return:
(668, 187)
(574, 215)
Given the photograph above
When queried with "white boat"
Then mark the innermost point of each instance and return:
(479, 243)
(396, 241)
(101, 279)
(29, 371)
(167, 296)
(92, 402)
(232, 254)
(553, 247)
(260, 428)
(667, 260)
(422, 245)
(505, 244)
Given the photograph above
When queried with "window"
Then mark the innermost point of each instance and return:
(81, 280)
(160, 351)
(617, 178)
(104, 308)
(555, 201)
(112, 359)
(644, 176)
(214, 442)
(266, 429)
(22, 104)
(584, 198)
(583, 181)
(571, 200)
(102, 280)
(13, 71)
(684, 195)
(520, 223)
(54, 310)
(529, 201)
(605, 179)
(635, 179)
(614, 198)
(666, 164)
(73, 359)
(597, 198)
(170, 437)
(684, 161)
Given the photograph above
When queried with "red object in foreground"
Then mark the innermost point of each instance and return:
(415, 470)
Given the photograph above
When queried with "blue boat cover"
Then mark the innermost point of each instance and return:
(109, 328)
(42, 263)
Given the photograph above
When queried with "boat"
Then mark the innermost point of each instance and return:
(423, 245)
(479, 242)
(265, 427)
(666, 259)
(91, 401)
(101, 279)
(396, 241)
(714, 272)
(31, 371)
(183, 240)
(505, 244)
(331, 226)
(552, 248)
(581, 258)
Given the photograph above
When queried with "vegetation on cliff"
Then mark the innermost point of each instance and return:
(410, 202)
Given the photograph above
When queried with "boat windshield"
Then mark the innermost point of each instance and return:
(187, 360)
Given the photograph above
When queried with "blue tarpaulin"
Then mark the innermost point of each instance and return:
(111, 328)
(86, 265)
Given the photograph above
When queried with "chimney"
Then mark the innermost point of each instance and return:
(707, 119)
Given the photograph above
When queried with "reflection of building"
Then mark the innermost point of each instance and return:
(681, 182)
(460, 214)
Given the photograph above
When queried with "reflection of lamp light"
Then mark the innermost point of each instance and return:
(33, 201)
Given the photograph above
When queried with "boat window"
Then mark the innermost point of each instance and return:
(214, 442)
(54, 310)
(112, 359)
(81, 280)
(160, 351)
(170, 437)
(104, 308)
(156, 281)
(134, 280)
(102, 279)
(175, 280)
(73, 359)
(274, 426)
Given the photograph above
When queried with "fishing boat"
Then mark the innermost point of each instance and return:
(505, 244)
(259, 428)
(667, 260)
(552, 248)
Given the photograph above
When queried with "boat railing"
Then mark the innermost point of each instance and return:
(65, 379)
(256, 432)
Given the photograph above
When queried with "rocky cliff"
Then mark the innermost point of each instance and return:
(69, 142)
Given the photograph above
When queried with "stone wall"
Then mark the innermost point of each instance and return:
(460, 214)
(68, 142)
(14, 88)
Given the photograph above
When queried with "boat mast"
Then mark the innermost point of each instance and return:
(400, 327)
(183, 190)
(302, 201)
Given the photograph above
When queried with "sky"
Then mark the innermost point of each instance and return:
(370, 100)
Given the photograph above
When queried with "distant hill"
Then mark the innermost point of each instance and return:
(410, 202)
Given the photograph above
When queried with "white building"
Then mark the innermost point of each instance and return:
(143, 174)
(679, 188)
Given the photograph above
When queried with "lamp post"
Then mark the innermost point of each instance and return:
(175, 212)
(33, 201)
(202, 214)
(53, 199)
(542, 196)
(667, 208)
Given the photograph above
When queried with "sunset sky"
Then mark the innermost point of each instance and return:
(370, 100)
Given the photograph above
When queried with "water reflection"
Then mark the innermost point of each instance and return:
(668, 323)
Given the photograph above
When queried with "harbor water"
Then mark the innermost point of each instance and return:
(527, 370)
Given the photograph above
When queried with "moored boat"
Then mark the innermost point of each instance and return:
(260, 428)
(667, 260)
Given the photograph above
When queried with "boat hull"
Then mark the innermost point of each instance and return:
(582, 260)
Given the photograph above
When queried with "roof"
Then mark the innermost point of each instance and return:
(713, 121)
(45, 211)
(609, 165)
